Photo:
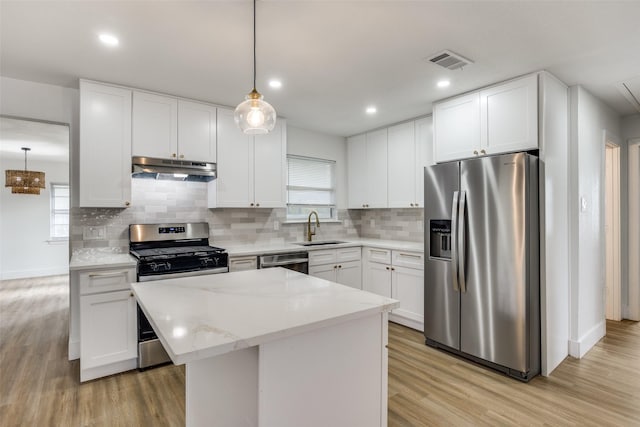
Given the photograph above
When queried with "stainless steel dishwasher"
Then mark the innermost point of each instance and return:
(296, 261)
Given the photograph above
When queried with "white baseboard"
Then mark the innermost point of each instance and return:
(23, 274)
(579, 348)
(103, 371)
(409, 323)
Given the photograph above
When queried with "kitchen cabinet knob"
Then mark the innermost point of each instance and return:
(483, 152)
(339, 266)
(127, 203)
(335, 266)
(257, 204)
(173, 154)
(131, 294)
(475, 152)
(182, 156)
(251, 204)
(416, 204)
(411, 204)
(387, 268)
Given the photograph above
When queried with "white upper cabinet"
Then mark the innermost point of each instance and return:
(105, 146)
(457, 128)
(409, 150)
(367, 170)
(196, 131)
(251, 170)
(170, 128)
(402, 152)
(155, 125)
(500, 119)
(269, 165)
(509, 116)
(424, 154)
(377, 169)
(357, 171)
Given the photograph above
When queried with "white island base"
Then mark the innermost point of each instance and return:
(274, 348)
(334, 376)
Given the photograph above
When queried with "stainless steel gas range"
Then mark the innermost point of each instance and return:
(167, 251)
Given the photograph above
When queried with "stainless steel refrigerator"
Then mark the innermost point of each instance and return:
(481, 290)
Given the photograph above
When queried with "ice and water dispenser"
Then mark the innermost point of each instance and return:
(440, 235)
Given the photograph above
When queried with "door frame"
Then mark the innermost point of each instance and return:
(613, 309)
(634, 228)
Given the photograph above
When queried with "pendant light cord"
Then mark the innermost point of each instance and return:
(254, 44)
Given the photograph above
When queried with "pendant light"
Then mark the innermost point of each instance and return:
(24, 181)
(254, 115)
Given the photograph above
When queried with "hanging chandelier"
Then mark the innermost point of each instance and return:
(24, 181)
(254, 115)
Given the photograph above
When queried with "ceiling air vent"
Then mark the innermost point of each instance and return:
(449, 60)
(630, 89)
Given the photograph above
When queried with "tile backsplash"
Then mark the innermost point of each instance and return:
(392, 224)
(170, 201)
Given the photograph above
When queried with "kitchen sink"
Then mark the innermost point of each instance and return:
(325, 242)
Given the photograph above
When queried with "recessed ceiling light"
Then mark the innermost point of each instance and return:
(276, 84)
(444, 83)
(371, 110)
(109, 39)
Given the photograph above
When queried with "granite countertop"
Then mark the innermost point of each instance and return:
(264, 248)
(83, 259)
(204, 316)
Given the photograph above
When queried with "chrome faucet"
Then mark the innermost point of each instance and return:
(309, 232)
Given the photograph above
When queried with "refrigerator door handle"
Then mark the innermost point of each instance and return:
(461, 247)
(454, 241)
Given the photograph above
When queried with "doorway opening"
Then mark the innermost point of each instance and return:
(613, 299)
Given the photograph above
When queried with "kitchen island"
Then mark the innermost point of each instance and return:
(273, 348)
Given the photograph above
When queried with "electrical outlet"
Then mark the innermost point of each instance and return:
(94, 232)
(276, 225)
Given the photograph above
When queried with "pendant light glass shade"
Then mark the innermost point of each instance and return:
(24, 181)
(254, 115)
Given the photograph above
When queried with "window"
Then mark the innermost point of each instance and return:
(59, 211)
(310, 186)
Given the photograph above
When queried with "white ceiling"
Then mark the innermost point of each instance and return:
(334, 57)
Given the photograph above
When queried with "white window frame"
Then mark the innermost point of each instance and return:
(322, 210)
(55, 212)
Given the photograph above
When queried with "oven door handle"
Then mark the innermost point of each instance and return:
(182, 274)
(281, 263)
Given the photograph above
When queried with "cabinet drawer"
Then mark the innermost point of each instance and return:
(408, 259)
(348, 254)
(243, 263)
(322, 257)
(378, 255)
(108, 280)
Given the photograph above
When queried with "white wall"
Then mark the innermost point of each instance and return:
(24, 226)
(312, 144)
(589, 119)
(30, 100)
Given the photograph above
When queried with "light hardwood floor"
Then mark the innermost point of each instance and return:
(40, 387)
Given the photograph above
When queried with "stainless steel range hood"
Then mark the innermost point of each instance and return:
(175, 170)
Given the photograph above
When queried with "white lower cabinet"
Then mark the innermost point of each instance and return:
(108, 323)
(398, 275)
(342, 266)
